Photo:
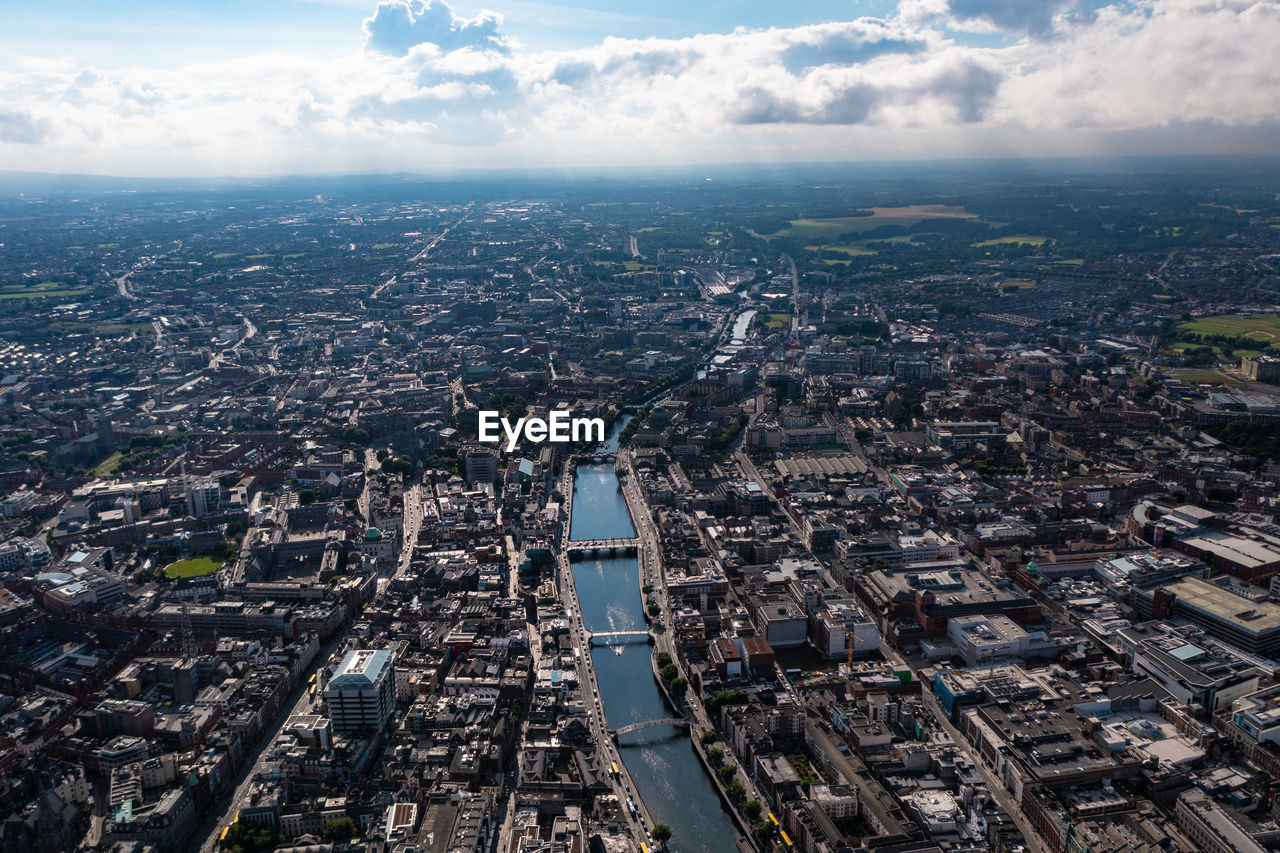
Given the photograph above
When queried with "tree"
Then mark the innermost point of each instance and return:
(355, 435)
(669, 672)
(306, 497)
(720, 698)
(654, 610)
(716, 754)
(250, 838)
(764, 829)
(737, 790)
(752, 809)
(708, 738)
(679, 686)
(663, 659)
(661, 833)
(342, 829)
(727, 772)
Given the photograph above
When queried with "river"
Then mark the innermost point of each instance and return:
(737, 338)
(667, 772)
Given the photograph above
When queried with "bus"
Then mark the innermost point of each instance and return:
(774, 819)
(644, 848)
(614, 765)
(786, 839)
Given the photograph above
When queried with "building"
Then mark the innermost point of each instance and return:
(361, 694)
(779, 621)
(961, 435)
(1264, 368)
(983, 639)
(1239, 613)
(1215, 828)
(481, 466)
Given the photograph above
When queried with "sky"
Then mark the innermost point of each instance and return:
(260, 87)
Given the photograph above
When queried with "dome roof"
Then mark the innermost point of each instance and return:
(372, 533)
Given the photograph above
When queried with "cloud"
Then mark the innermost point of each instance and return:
(961, 90)
(430, 87)
(847, 46)
(1020, 16)
(22, 128)
(1032, 17)
(396, 27)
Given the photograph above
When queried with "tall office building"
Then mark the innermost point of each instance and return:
(361, 694)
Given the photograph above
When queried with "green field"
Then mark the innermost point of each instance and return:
(105, 328)
(192, 568)
(904, 216)
(262, 256)
(109, 465)
(1014, 240)
(1071, 262)
(775, 321)
(1202, 375)
(383, 245)
(851, 251)
(220, 256)
(39, 291)
(1263, 328)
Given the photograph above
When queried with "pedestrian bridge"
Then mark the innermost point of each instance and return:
(577, 548)
(679, 722)
(589, 457)
(609, 638)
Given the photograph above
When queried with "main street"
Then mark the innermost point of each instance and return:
(994, 785)
(301, 701)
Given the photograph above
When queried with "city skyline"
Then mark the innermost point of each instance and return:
(315, 87)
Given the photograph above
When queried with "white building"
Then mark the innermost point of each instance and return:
(361, 694)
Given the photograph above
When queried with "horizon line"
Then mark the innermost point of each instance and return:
(597, 171)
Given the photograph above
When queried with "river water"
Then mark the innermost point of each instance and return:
(667, 772)
(737, 338)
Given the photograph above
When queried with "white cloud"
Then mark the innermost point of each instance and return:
(435, 89)
(397, 26)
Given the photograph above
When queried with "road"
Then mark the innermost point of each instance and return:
(795, 293)
(122, 285)
(249, 331)
(997, 789)
(753, 473)
(427, 249)
(300, 701)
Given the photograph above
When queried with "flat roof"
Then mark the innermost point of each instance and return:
(1221, 603)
